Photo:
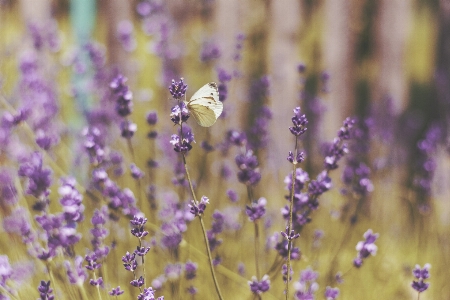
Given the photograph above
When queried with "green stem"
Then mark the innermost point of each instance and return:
(211, 266)
(258, 274)
(213, 274)
(290, 219)
(98, 288)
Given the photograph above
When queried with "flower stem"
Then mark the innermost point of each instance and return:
(290, 219)
(213, 274)
(258, 274)
(98, 288)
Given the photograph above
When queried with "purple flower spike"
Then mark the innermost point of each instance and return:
(124, 97)
(183, 145)
(129, 261)
(290, 235)
(141, 251)
(152, 118)
(98, 282)
(136, 173)
(366, 248)
(138, 221)
(116, 291)
(139, 232)
(190, 269)
(178, 89)
(92, 262)
(421, 274)
(298, 159)
(284, 273)
(137, 282)
(256, 210)
(149, 294)
(299, 121)
(127, 129)
(197, 208)
(248, 168)
(45, 291)
(331, 293)
(179, 113)
(39, 178)
(307, 285)
(210, 51)
(259, 287)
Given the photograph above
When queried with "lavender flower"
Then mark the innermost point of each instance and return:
(306, 287)
(232, 195)
(256, 210)
(136, 173)
(148, 294)
(248, 168)
(8, 192)
(76, 274)
(300, 121)
(331, 293)
(209, 52)
(71, 201)
(179, 113)
(178, 89)
(239, 45)
(96, 282)
(197, 208)
(92, 262)
(259, 287)
(127, 129)
(173, 271)
(259, 132)
(366, 248)
(183, 145)
(284, 273)
(94, 144)
(152, 118)
(190, 269)
(99, 232)
(39, 178)
(5, 270)
(116, 291)
(45, 291)
(224, 77)
(137, 282)
(123, 96)
(129, 261)
(421, 274)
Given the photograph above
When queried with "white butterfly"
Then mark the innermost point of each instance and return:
(205, 105)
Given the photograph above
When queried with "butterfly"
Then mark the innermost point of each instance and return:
(205, 106)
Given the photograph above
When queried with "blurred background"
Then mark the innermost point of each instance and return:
(385, 62)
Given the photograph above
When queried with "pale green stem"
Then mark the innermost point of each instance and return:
(290, 219)
(211, 266)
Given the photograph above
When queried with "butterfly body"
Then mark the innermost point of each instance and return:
(205, 106)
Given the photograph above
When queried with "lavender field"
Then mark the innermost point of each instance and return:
(224, 149)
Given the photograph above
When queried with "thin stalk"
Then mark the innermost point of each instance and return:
(258, 274)
(98, 288)
(143, 262)
(83, 292)
(250, 199)
(133, 157)
(213, 274)
(290, 219)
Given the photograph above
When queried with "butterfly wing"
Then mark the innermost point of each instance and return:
(205, 105)
(204, 115)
